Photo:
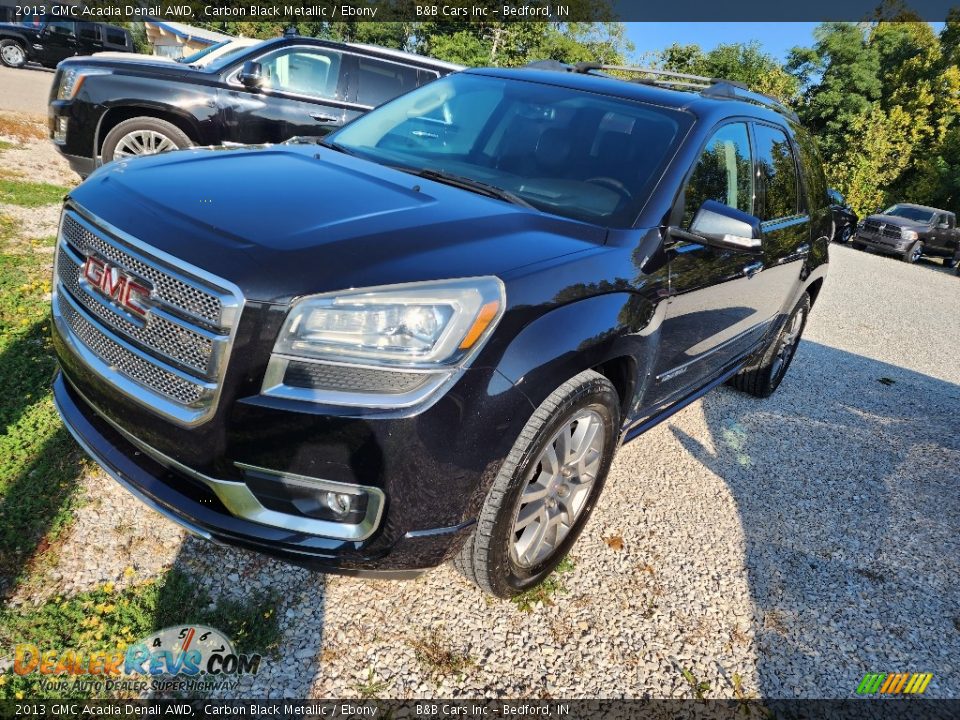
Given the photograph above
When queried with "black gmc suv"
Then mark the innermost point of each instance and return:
(47, 42)
(425, 336)
(102, 109)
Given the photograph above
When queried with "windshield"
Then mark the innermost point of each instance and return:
(910, 213)
(568, 152)
(190, 59)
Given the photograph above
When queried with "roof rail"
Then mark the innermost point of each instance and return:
(716, 88)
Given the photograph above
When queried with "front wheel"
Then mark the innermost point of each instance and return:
(857, 245)
(12, 54)
(142, 136)
(914, 252)
(764, 376)
(546, 488)
(951, 262)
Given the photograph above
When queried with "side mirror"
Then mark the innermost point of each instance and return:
(251, 75)
(722, 226)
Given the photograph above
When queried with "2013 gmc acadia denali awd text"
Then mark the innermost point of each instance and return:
(423, 337)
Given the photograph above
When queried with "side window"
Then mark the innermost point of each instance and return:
(777, 170)
(66, 28)
(723, 173)
(379, 81)
(304, 71)
(89, 32)
(115, 36)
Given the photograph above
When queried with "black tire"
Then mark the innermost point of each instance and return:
(951, 262)
(9, 54)
(843, 237)
(914, 252)
(857, 245)
(487, 558)
(763, 376)
(167, 130)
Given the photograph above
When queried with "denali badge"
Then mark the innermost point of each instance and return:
(115, 284)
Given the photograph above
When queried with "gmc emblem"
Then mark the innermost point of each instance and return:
(112, 282)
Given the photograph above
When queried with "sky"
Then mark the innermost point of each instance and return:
(776, 37)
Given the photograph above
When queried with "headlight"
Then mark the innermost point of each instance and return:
(909, 234)
(387, 346)
(73, 78)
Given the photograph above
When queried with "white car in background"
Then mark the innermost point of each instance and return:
(197, 59)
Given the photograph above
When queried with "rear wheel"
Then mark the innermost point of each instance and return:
(764, 376)
(951, 262)
(12, 54)
(546, 488)
(142, 136)
(914, 252)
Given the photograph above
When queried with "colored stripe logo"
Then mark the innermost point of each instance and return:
(894, 683)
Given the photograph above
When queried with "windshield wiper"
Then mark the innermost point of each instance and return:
(320, 140)
(476, 186)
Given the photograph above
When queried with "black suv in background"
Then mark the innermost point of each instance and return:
(425, 336)
(911, 231)
(102, 109)
(49, 41)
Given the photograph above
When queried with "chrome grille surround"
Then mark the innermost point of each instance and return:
(173, 359)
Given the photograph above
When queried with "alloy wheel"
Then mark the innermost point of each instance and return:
(12, 55)
(143, 142)
(557, 489)
(788, 344)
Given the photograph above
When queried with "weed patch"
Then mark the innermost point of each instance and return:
(30, 194)
(545, 591)
(437, 657)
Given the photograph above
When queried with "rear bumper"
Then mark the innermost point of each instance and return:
(181, 500)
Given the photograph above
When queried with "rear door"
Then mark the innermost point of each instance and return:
(89, 40)
(303, 94)
(714, 313)
(943, 235)
(375, 81)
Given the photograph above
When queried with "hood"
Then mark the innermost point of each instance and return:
(131, 63)
(292, 220)
(896, 221)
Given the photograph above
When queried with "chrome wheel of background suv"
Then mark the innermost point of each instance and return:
(142, 142)
(558, 488)
(12, 54)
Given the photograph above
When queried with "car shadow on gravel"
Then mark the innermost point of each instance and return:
(846, 483)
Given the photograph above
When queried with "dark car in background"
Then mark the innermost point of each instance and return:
(47, 42)
(425, 336)
(911, 232)
(106, 108)
(845, 219)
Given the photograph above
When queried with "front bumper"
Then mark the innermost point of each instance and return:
(189, 505)
(76, 145)
(891, 246)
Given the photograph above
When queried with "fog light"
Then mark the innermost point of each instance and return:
(340, 504)
(60, 130)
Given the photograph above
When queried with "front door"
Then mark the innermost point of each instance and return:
(301, 95)
(59, 40)
(714, 314)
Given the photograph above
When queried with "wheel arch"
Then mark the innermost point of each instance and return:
(119, 113)
(600, 333)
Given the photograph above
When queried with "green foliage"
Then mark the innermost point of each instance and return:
(107, 620)
(39, 463)
(742, 62)
(30, 194)
(544, 592)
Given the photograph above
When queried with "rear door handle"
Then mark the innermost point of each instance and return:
(752, 269)
(320, 117)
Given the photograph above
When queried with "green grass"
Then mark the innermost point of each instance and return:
(4, 145)
(39, 463)
(30, 194)
(545, 591)
(104, 619)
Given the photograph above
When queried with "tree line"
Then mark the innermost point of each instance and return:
(881, 97)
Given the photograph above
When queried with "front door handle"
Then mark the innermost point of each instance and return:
(320, 117)
(752, 269)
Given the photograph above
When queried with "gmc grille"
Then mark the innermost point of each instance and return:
(173, 358)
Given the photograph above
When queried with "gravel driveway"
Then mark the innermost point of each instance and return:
(777, 548)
